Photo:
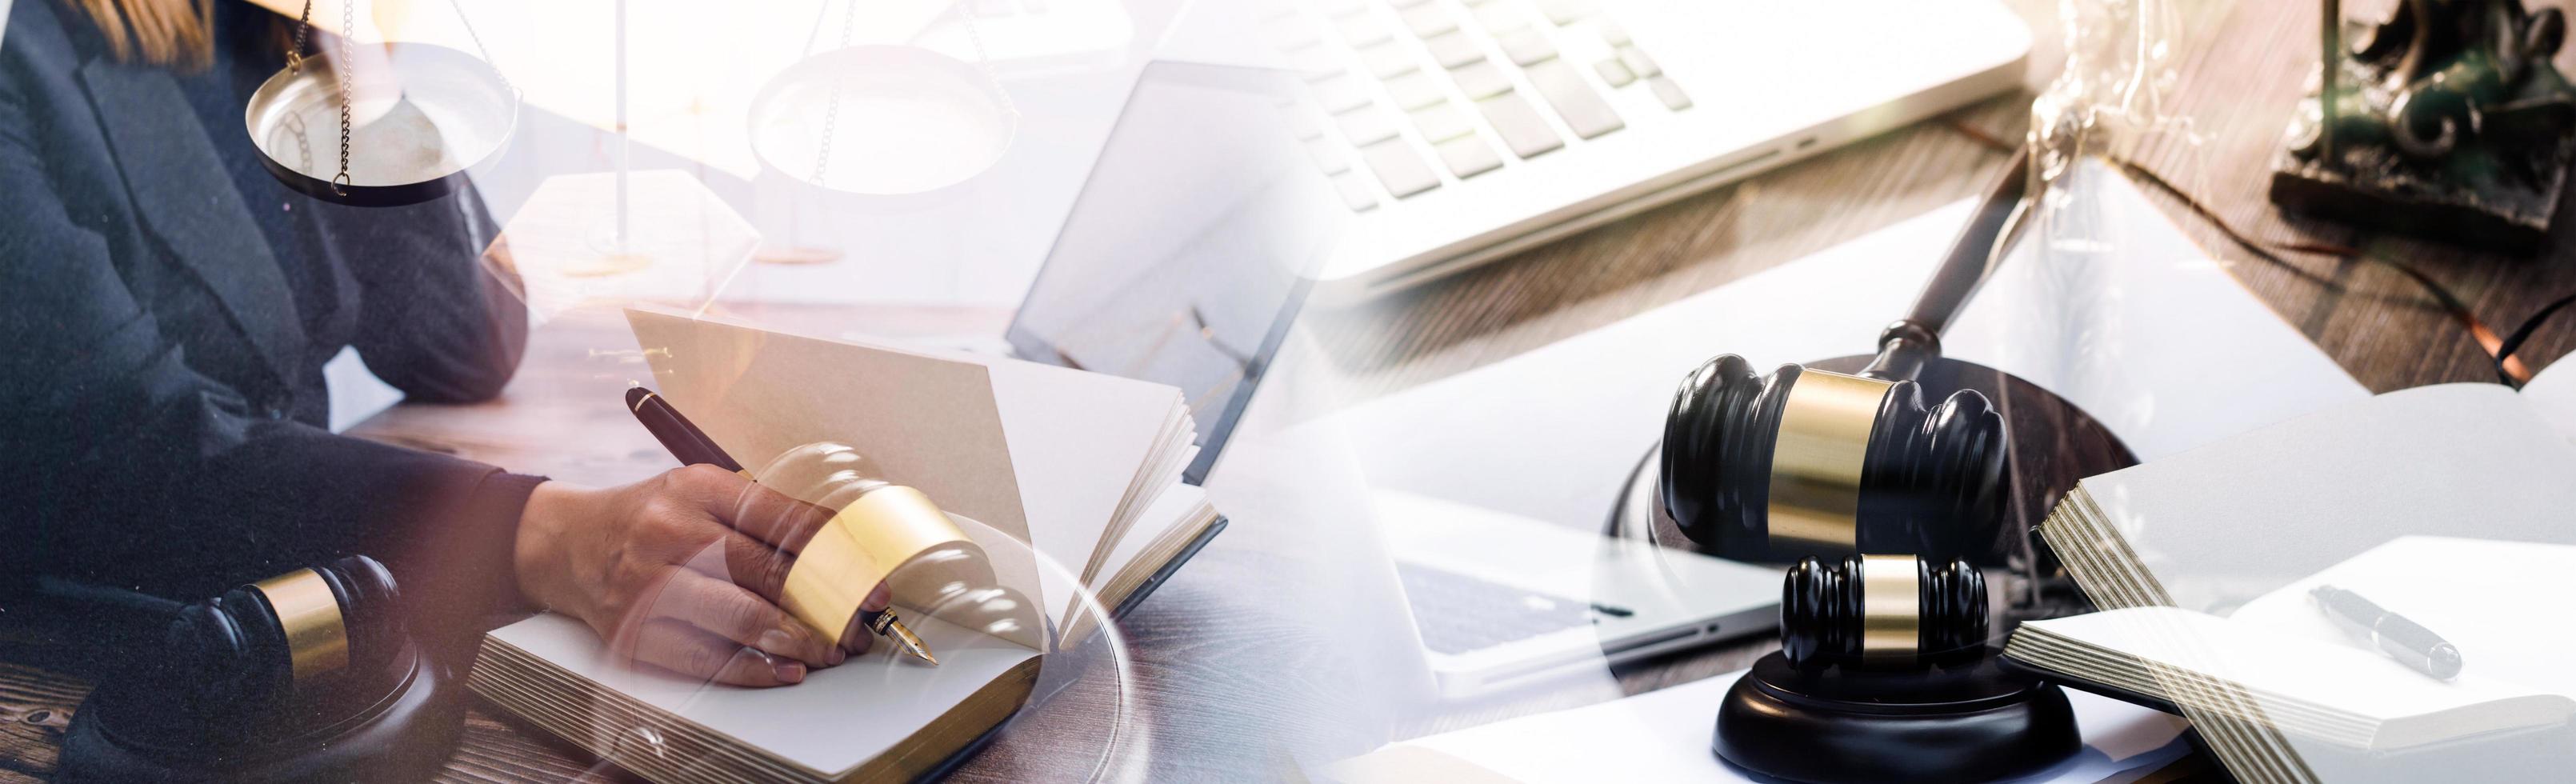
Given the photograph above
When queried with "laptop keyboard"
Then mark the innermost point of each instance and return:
(1478, 82)
(1458, 614)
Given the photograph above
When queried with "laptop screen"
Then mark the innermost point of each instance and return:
(1186, 254)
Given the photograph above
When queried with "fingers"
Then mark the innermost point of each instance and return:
(764, 513)
(773, 517)
(857, 638)
(686, 649)
(732, 613)
(754, 565)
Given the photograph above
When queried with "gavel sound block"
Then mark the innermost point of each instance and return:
(307, 676)
(1884, 675)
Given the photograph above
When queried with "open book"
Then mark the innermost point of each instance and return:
(2451, 505)
(1068, 482)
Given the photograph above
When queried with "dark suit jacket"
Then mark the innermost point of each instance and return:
(165, 310)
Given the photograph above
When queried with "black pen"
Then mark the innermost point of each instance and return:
(2402, 639)
(692, 446)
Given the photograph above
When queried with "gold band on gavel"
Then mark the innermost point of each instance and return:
(857, 549)
(1891, 608)
(317, 638)
(1816, 463)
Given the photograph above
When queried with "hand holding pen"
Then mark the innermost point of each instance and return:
(693, 447)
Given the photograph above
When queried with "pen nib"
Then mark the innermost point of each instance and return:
(909, 643)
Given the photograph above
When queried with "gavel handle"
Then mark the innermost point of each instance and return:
(1910, 342)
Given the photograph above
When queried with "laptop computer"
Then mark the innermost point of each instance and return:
(1462, 131)
(1185, 260)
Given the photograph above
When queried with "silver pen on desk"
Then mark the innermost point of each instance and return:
(2400, 638)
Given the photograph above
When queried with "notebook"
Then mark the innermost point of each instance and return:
(2448, 504)
(1041, 465)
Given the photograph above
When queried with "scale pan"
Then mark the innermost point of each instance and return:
(452, 111)
(908, 120)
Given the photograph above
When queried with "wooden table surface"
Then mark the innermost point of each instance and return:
(1220, 684)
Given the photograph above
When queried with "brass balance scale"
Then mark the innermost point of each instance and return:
(408, 128)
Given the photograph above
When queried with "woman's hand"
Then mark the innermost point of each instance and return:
(681, 571)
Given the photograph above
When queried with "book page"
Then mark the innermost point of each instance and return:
(1078, 442)
(2553, 395)
(838, 718)
(2112, 306)
(2501, 603)
(2291, 678)
(928, 423)
(2218, 526)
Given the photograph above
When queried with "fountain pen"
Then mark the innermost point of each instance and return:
(692, 446)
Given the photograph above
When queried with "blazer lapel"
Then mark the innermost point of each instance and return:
(179, 186)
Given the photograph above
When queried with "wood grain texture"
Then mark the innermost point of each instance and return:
(1219, 682)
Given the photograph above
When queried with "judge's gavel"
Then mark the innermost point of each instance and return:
(259, 644)
(1810, 462)
(1882, 612)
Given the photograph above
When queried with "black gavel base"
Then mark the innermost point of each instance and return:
(398, 723)
(1973, 722)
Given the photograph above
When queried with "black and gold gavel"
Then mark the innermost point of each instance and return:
(258, 643)
(1881, 612)
(1804, 461)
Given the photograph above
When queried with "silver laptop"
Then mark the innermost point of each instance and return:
(1461, 131)
(1184, 262)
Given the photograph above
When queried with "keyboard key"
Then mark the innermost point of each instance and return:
(1388, 58)
(1306, 125)
(1583, 109)
(1366, 125)
(1362, 30)
(1316, 63)
(1526, 47)
(1355, 190)
(1501, 17)
(1429, 19)
(1341, 93)
(1612, 33)
(1481, 79)
(1468, 156)
(1399, 168)
(1292, 34)
(1613, 73)
(1328, 156)
(1414, 90)
(1522, 128)
(1453, 49)
(1406, 3)
(1441, 122)
(1566, 12)
(1669, 93)
(1638, 62)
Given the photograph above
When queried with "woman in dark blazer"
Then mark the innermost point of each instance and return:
(166, 308)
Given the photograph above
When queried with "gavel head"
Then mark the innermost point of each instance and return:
(1809, 462)
(1882, 612)
(259, 643)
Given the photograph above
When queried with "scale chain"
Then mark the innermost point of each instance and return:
(832, 109)
(348, 30)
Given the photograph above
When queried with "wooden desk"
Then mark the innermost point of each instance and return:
(1222, 682)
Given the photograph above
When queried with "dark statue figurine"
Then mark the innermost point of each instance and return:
(2448, 120)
